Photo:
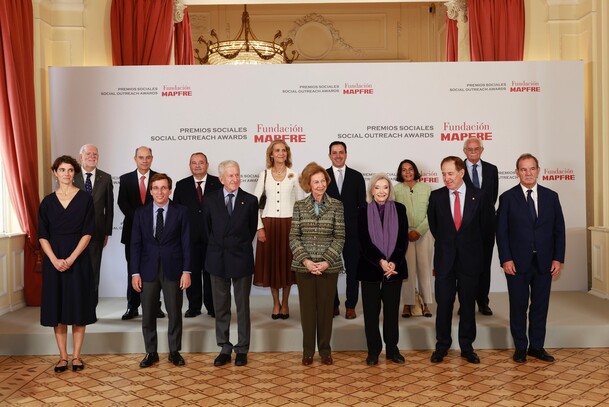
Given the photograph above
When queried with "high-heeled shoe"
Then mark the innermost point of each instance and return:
(406, 312)
(60, 369)
(275, 316)
(427, 313)
(284, 316)
(76, 368)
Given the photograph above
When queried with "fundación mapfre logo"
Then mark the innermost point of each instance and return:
(558, 174)
(176, 90)
(461, 131)
(358, 88)
(525, 87)
(291, 133)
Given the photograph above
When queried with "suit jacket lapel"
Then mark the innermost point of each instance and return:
(471, 203)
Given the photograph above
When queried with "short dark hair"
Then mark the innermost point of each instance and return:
(524, 157)
(459, 163)
(337, 143)
(159, 176)
(398, 175)
(66, 159)
(311, 169)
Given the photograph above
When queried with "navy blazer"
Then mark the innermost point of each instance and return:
(129, 200)
(173, 249)
(230, 253)
(103, 202)
(353, 196)
(368, 268)
(466, 243)
(490, 180)
(185, 193)
(518, 235)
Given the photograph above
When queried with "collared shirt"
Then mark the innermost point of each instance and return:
(226, 196)
(335, 171)
(84, 176)
(146, 177)
(470, 170)
(202, 180)
(155, 209)
(462, 189)
(533, 195)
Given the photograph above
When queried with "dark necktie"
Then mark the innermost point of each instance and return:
(457, 210)
(229, 205)
(159, 225)
(475, 179)
(531, 204)
(199, 191)
(88, 185)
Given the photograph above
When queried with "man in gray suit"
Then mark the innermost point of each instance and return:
(99, 185)
(230, 220)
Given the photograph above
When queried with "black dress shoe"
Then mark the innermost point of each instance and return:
(284, 316)
(211, 313)
(541, 354)
(438, 355)
(130, 314)
(336, 311)
(241, 359)
(78, 367)
(191, 313)
(222, 359)
(485, 310)
(471, 357)
(149, 359)
(275, 316)
(176, 358)
(520, 356)
(372, 360)
(160, 314)
(62, 368)
(397, 358)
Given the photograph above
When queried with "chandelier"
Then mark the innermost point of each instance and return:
(245, 48)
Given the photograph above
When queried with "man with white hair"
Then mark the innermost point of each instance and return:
(99, 185)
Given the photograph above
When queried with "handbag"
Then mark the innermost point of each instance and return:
(262, 200)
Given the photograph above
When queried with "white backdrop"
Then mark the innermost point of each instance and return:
(384, 112)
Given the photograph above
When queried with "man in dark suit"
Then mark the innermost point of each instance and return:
(348, 186)
(99, 185)
(459, 218)
(231, 220)
(160, 256)
(190, 192)
(483, 175)
(531, 243)
(133, 193)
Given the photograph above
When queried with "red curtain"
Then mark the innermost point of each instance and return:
(142, 32)
(452, 40)
(183, 51)
(18, 131)
(496, 30)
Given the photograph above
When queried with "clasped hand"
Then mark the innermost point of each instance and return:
(388, 268)
(316, 268)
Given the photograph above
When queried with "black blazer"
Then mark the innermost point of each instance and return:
(368, 268)
(467, 243)
(185, 193)
(353, 197)
(230, 253)
(173, 250)
(490, 180)
(129, 200)
(518, 234)
(103, 202)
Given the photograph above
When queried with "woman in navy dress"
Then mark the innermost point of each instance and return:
(65, 225)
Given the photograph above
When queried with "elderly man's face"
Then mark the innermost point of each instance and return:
(89, 157)
(143, 159)
(473, 150)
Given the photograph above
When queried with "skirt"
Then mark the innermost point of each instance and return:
(274, 257)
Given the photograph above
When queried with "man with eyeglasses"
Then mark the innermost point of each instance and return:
(483, 175)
